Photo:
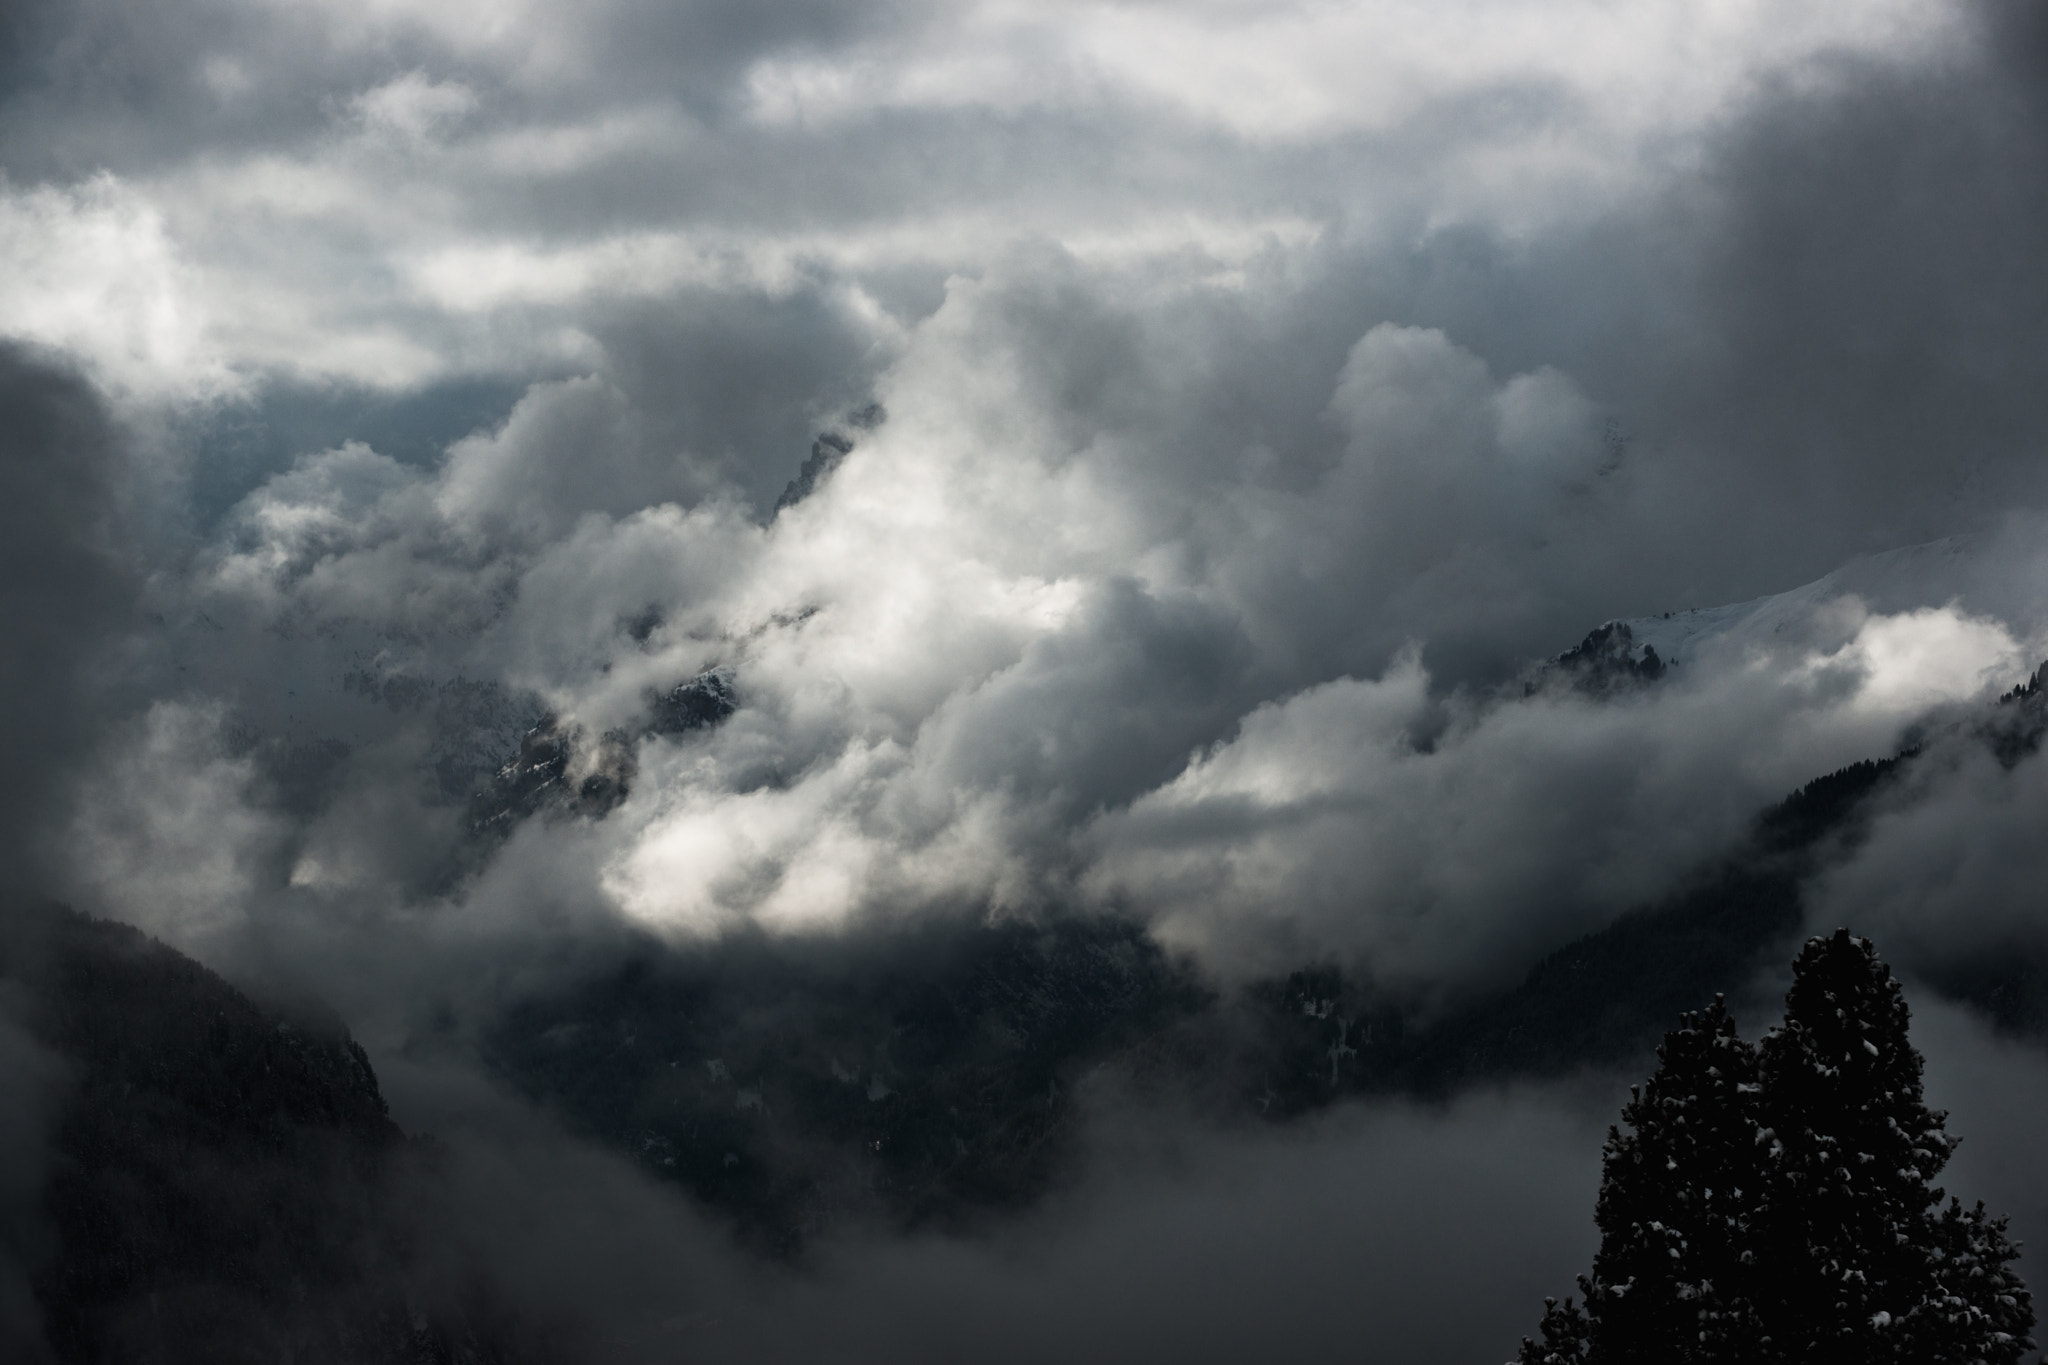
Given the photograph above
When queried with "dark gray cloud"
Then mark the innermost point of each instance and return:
(109, 84)
(1254, 417)
(1401, 1228)
(1825, 342)
(1120, 503)
(734, 388)
(64, 592)
(1992, 1088)
(1429, 1232)
(1950, 877)
(66, 597)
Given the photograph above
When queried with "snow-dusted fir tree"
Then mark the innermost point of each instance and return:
(1846, 1229)
(1773, 1205)
(1678, 1188)
(1561, 1337)
(1980, 1313)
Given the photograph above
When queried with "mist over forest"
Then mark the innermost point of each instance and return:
(825, 681)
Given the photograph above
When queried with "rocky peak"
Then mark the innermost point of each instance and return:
(832, 446)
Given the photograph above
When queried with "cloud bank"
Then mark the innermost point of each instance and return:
(1218, 412)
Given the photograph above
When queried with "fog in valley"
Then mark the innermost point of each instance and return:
(919, 674)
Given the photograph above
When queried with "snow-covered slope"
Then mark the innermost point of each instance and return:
(2003, 575)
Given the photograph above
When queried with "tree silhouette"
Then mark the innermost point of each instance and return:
(1980, 1312)
(1847, 1225)
(1564, 1329)
(1676, 1200)
(1774, 1203)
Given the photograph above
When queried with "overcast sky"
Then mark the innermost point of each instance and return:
(1265, 385)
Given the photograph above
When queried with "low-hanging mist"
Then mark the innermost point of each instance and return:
(1056, 545)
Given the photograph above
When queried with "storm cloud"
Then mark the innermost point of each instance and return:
(1216, 414)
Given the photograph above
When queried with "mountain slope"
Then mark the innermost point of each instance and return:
(217, 1175)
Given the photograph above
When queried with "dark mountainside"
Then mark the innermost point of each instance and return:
(926, 1083)
(224, 1183)
(219, 1179)
(931, 1084)
(935, 1084)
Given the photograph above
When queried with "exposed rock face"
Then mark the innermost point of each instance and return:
(698, 704)
(541, 776)
(528, 782)
(827, 451)
(474, 725)
(1608, 658)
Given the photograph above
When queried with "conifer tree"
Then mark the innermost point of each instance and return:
(1980, 1313)
(1564, 1330)
(1773, 1205)
(1669, 1283)
(1846, 1231)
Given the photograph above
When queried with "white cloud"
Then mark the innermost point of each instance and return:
(1917, 660)
(1351, 816)
(1313, 70)
(414, 107)
(1265, 383)
(1171, 467)
(91, 270)
(974, 663)
(404, 241)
